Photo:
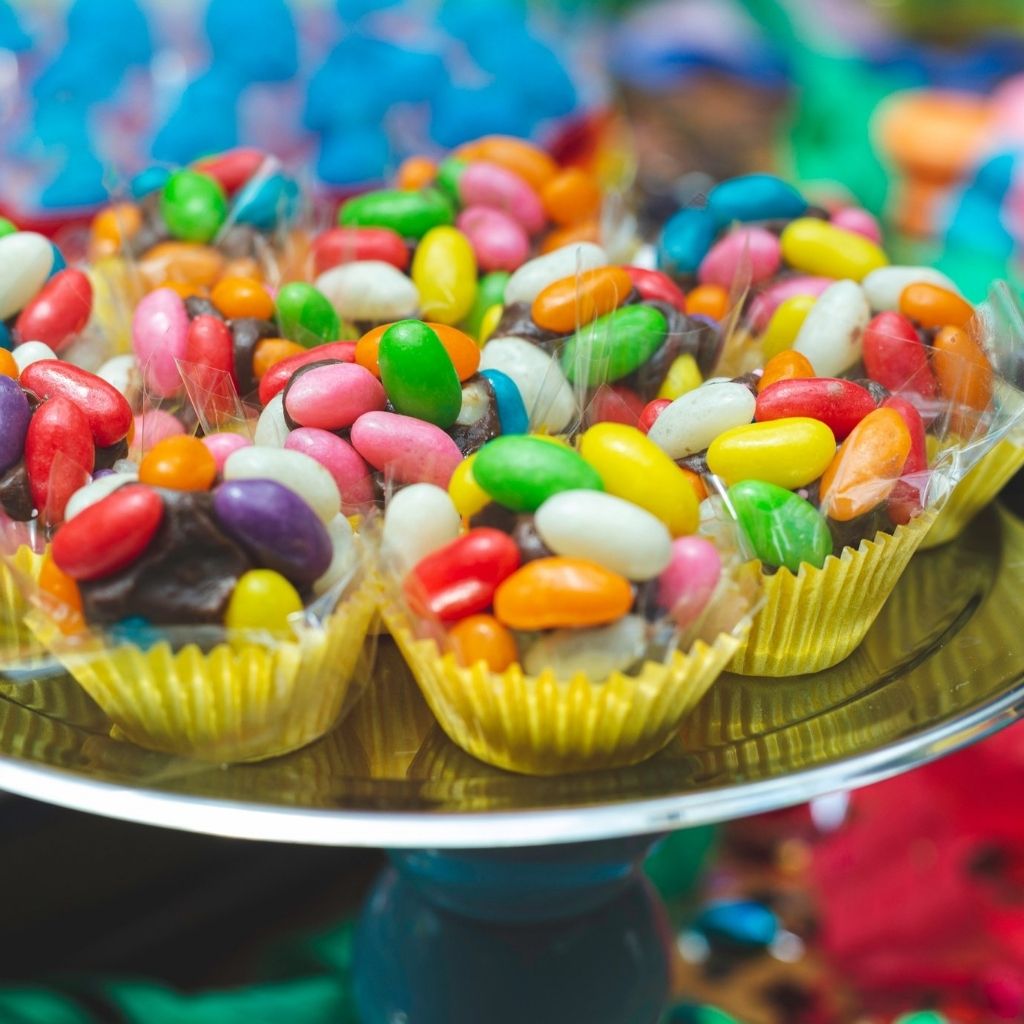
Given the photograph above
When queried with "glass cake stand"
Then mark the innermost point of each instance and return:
(514, 898)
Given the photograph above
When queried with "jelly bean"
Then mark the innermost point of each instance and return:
(482, 638)
(59, 263)
(688, 581)
(615, 345)
(444, 272)
(108, 414)
(369, 290)
(460, 578)
(817, 247)
(491, 185)
(651, 411)
(866, 467)
(895, 356)
(783, 529)
(535, 275)
(242, 296)
(272, 428)
(683, 376)
(597, 652)
(415, 172)
(262, 600)
(785, 366)
(566, 304)
(884, 286)
(159, 338)
(408, 214)
(839, 404)
(498, 241)
(59, 455)
(546, 393)
(179, 463)
(932, 306)
(511, 409)
(654, 286)
(94, 491)
(755, 197)
(209, 343)
(449, 172)
(489, 323)
(571, 196)
(767, 302)
(464, 354)
(7, 227)
(232, 168)
(490, 292)
(295, 470)
(8, 366)
(420, 519)
(332, 396)
(112, 227)
(906, 500)
(832, 332)
(685, 240)
(275, 379)
(586, 231)
(198, 265)
(14, 417)
(607, 530)
(615, 404)
(109, 535)
(631, 466)
(964, 375)
(409, 449)
(784, 326)
(418, 373)
(695, 419)
(271, 351)
(6, 339)
(743, 253)
(561, 593)
(791, 452)
(351, 474)
(25, 262)
(344, 557)
(59, 312)
(193, 206)
(151, 427)
(711, 300)
(150, 180)
(276, 526)
(741, 923)
(860, 222)
(468, 496)
(221, 445)
(352, 245)
(522, 472)
(305, 314)
(266, 201)
(30, 352)
(533, 165)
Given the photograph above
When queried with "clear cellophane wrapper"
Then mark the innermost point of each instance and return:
(21, 557)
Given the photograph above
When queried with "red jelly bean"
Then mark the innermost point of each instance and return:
(652, 410)
(615, 403)
(107, 411)
(275, 379)
(60, 310)
(839, 404)
(109, 535)
(655, 286)
(895, 356)
(906, 499)
(460, 578)
(346, 245)
(210, 347)
(59, 455)
(232, 168)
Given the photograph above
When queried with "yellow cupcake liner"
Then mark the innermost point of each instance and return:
(815, 618)
(19, 648)
(542, 725)
(242, 700)
(975, 491)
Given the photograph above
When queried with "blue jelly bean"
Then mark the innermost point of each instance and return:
(511, 408)
(266, 201)
(742, 922)
(6, 341)
(152, 179)
(755, 197)
(59, 263)
(136, 631)
(685, 240)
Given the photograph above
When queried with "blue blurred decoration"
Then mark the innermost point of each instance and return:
(12, 35)
(255, 38)
(78, 182)
(205, 121)
(353, 10)
(354, 156)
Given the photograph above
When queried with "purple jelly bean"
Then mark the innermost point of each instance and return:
(14, 417)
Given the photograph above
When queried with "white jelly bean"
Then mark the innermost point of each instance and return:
(547, 395)
(536, 274)
(420, 519)
(884, 286)
(31, 352)
(695, 419)
(831, 336)
(26, 260)
(597, 652)
(343, 560)
(369, 290)
(305, 476)
(271, 428)
(95, 490)
(122, 373)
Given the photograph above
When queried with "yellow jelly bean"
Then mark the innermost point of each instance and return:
(444, 271)
(262, 599)
(817, 247)
(683, 375)
(790, 453)
(466, 494)
(785, 325)
(633, 467)
(489, 321)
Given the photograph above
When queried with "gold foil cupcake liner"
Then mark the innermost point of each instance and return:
(20, 650)
(542, 725)
(815, 618)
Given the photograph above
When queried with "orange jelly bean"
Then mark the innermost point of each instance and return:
(244, 266)
(562, 593)
(573, 301)
(186, 290)
(964, 375)
(708, 300)
(461, 348)
(533, 165)
(242, 296)
(932, 306)
(8, 367)
(571, 196)
(66, 605)
(415, 172)
(483, 638)
(187, 262)
(271, 351)
(181, 463)
(698, 485)
(866, 466)
(787, 365)
(585, 231)
(112, 227)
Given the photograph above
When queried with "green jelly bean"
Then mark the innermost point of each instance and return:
(305, 315)
(7, 227)
(522, 472)
(193, 206)
(448, 173)
(613, 346)
(418, 374)
(490, 291)
(410, 214)
(784, 529)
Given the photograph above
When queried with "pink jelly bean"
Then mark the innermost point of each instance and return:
(152, 426)
(686, 586)
(744, 250)
(860, 222)
(499, 242)
(332, 396)
(411, 450)
(159, 337)
(341, 460)
(222, 445)
(771, 298)
(485, 184)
